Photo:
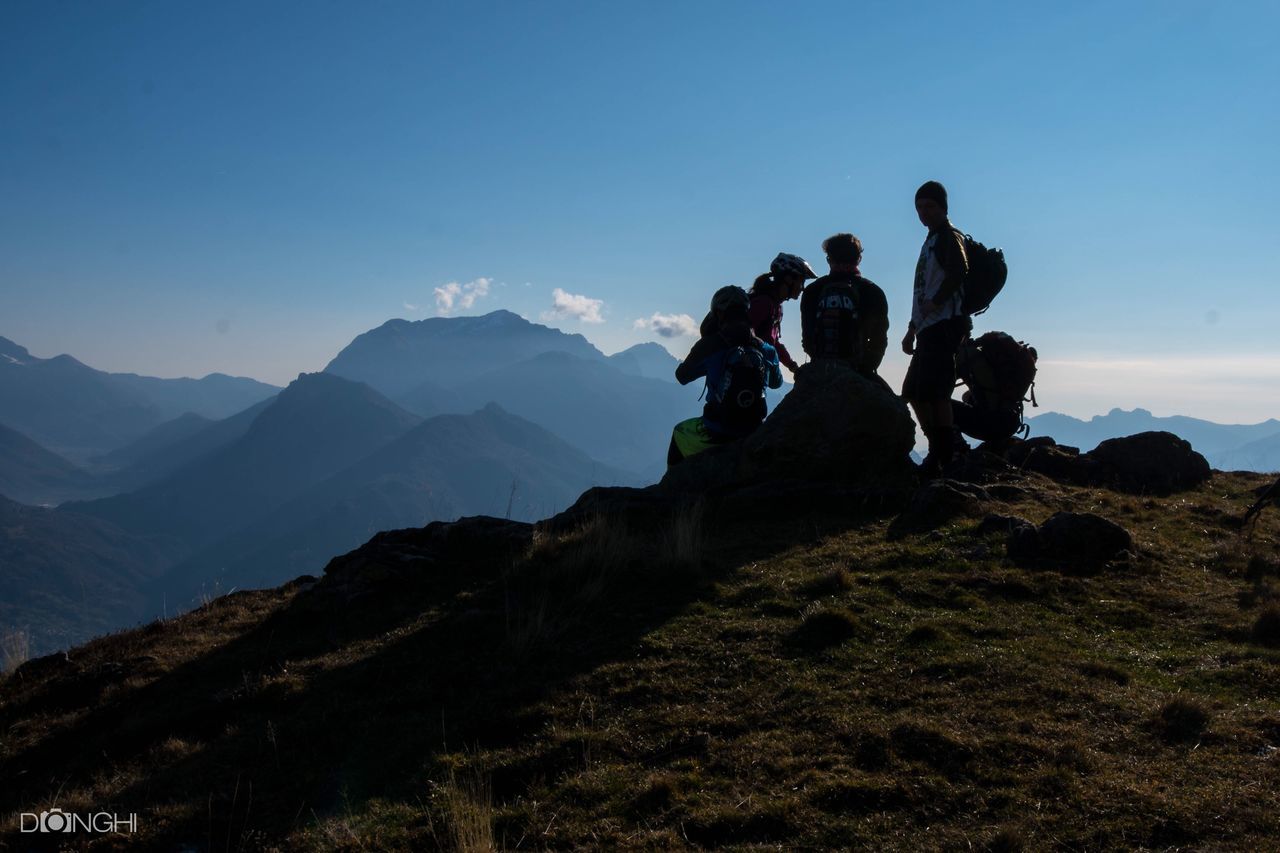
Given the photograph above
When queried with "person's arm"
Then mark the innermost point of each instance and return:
(774, 373)
(694, 365)
(785, 357)
(877, 341)
(875, 332)
(949, 251)
(806, 334)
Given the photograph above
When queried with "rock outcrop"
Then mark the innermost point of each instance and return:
(1154, 462)
(1077, 541)
(1146, 463)
(835, 425)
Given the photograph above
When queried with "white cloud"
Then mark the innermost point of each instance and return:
(564, 304)
(461, 296)
(409, 307)
(669, 325)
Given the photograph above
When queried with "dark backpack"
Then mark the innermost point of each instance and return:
(835, 321)
(1000, 371)
(737, 400)
(987, 274)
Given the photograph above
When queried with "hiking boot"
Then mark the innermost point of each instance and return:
(930, 468)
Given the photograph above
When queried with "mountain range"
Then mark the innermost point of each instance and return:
(1250, 447)
(79, 412)
(169, 490)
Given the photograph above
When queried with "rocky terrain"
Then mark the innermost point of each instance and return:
(787, 642)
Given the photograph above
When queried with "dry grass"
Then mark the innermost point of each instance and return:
(465, 806)
(684, 540)
(812, 685)
(15, 649)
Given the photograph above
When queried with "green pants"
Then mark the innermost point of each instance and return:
(687, 439)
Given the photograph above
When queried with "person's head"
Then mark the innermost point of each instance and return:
(790, 273)
(844, 252)
(729, 304)
(931, 204)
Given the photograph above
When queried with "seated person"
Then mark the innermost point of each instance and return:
(737, 366)
(843, 315)
(783, 282)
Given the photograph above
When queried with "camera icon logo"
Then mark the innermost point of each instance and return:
(55, 820)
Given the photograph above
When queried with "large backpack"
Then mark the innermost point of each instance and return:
(835, 321)
(987, 274)
(736, 400)
(999, 370)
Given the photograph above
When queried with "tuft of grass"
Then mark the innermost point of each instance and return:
(562, 577)
(683, 541)
(825, 627)
(928, 634)
(834, 582)
(1266, 630)
(1006, 840)
(1182, 720)
(15, 649)
(465, 806)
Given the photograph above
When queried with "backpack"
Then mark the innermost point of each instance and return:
(737, 400)
(987, 274)
(835, 321)
(999, 370)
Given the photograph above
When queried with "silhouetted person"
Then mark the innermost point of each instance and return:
(844, 316)
(938, 326)
(737, 366)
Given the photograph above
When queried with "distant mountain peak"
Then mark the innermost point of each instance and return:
(13, 353)
(647, 347)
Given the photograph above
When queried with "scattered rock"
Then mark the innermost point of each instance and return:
(1072, 540)
(45, 667)
(1149, 463)
(479, 545)
(936, 503)
(980, 466)
(1004, 524)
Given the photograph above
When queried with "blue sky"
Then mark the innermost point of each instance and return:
(197, 187)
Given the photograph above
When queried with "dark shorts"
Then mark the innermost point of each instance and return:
(932, 372)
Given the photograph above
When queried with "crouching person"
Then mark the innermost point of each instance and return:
(737, 366)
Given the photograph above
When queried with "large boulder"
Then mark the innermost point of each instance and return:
(835, 425)
(1078, 541)
(1149, 462)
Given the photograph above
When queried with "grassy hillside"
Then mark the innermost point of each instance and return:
(626, 677)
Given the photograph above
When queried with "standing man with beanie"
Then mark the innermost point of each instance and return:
(938, 326)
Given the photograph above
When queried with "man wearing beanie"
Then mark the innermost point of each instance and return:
(938, 326)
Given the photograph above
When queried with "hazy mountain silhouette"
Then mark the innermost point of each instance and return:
(619, 419)
(650, 360)
(1260, 455)
(31, 474)
(65, 577)
(78, 412)
(1206, 436)
(172, 446)
(154, 441)
(317, 426)
(487, 462)
(401, 355)
(618, 409)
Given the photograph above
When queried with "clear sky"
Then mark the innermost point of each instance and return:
(244, 187)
